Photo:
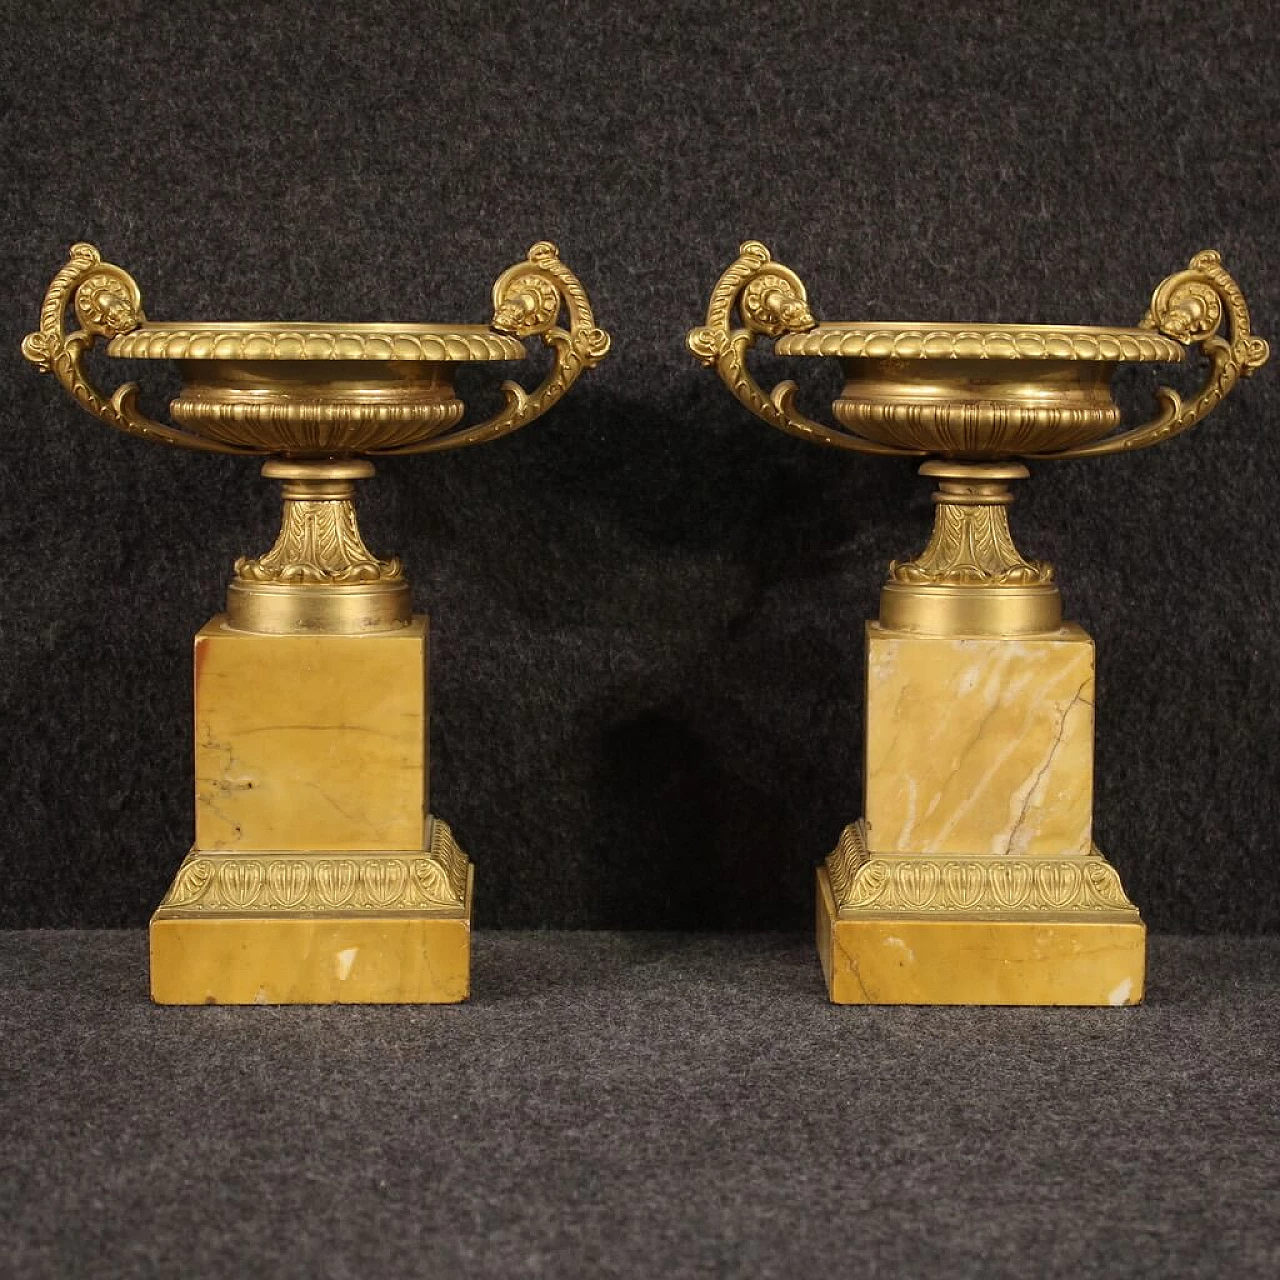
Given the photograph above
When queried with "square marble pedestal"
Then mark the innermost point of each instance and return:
(974, 878)
(317, 875)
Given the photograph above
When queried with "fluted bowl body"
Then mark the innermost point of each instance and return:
(316, 391)
(979, 392)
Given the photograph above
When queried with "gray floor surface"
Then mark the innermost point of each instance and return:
(637, 1104)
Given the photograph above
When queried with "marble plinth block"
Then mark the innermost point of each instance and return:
(310, 741)
(317, 875)
(973, 878)
(979, 746)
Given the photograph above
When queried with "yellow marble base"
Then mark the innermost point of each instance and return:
(316, 928)
(948, 959)
(310, 741)
(317, 875)
(979, 745)
(973, 878)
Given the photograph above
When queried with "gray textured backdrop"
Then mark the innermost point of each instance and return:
(647, 608)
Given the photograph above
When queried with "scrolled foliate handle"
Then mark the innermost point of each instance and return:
(107, 303)
(771, 301)
(527, 300)
(1189, 307)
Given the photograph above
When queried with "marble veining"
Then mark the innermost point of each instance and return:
(311, 742)
(979, 745)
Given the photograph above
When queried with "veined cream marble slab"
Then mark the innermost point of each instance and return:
(979, 745)
(310, 741)
(1079, 959)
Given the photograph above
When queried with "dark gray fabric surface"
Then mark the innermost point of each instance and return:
(647, 608)
(637, 1105)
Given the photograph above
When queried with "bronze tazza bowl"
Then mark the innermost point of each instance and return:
(976, 400)
(318, 400)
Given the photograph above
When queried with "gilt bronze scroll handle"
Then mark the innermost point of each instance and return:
(1189, 307)
(107, 304)
(528, 299)
(771, 301)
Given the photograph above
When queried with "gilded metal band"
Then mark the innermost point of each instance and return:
(964, 611)
(979, 342)
(260, 883)
(238, 340)
(868, 884)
